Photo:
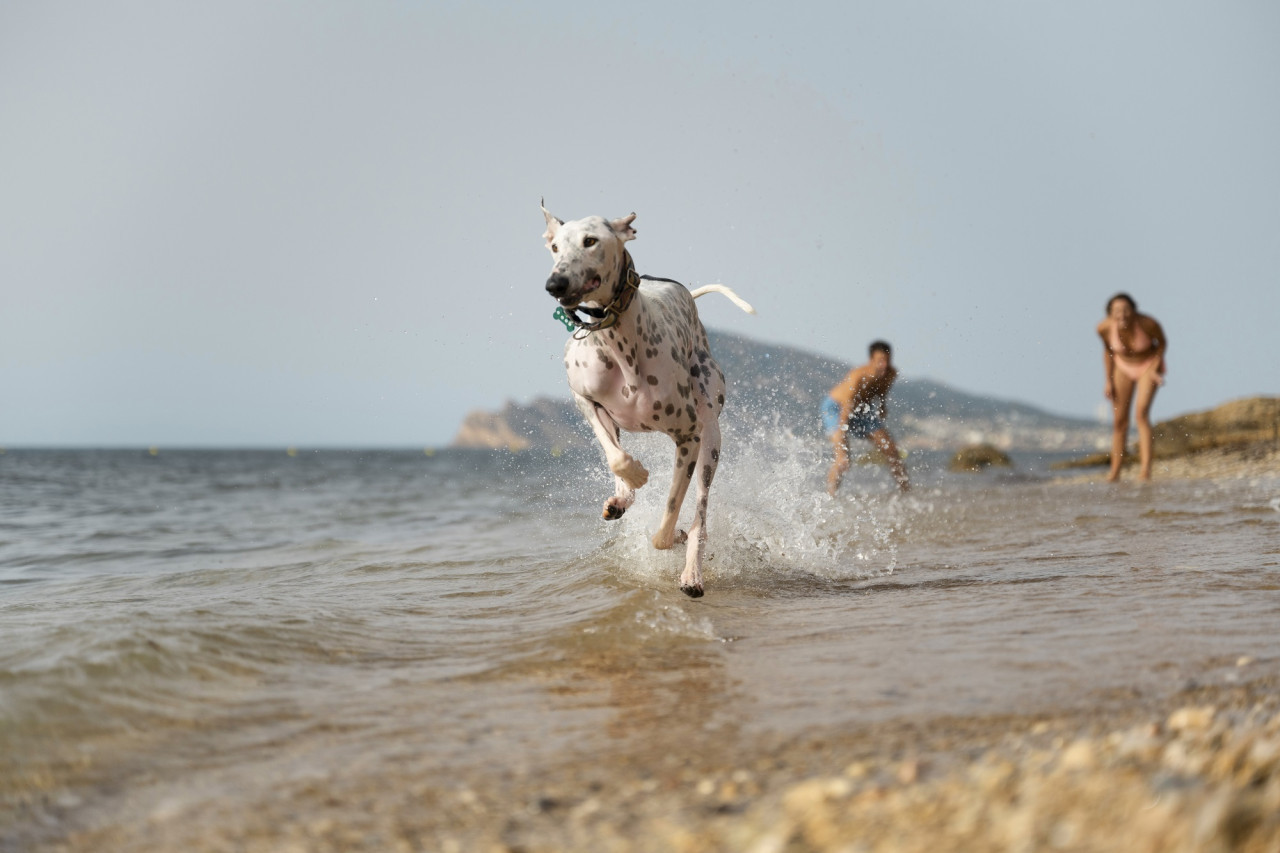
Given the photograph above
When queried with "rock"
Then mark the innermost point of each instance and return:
(1080, 755)
(1238, 424)
(1191, 719)
(977, 457)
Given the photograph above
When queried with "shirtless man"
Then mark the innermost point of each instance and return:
(1133, 347)
(856, 407)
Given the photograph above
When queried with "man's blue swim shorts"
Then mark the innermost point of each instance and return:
(862, 422)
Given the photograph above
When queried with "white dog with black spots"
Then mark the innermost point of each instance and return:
(642, 364)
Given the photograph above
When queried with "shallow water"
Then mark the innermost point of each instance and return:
(207, 627)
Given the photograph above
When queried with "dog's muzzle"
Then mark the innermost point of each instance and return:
(558, 286)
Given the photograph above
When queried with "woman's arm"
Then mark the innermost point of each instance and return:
(1108, 361)
(1156, 333)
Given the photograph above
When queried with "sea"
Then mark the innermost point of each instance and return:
(185, 634)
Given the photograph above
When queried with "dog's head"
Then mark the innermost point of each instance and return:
(587, 257)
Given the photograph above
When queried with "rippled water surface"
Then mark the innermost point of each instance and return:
(196, 627)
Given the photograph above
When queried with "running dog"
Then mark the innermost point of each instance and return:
(640, 363)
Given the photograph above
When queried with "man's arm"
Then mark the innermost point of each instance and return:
(851, 399)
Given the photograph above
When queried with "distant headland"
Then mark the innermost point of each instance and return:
(778, 386)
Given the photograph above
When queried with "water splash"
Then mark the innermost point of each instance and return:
(770, 517)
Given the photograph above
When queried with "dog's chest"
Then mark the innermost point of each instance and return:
(639, 371)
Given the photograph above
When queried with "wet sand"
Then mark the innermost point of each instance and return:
(1196, 770)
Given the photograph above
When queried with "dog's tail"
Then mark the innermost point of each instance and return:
(720, 288)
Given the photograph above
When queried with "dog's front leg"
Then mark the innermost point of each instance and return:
(682, 473)
(628, 473)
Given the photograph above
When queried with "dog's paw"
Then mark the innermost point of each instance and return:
(693, 591)
(613, 509)
(671, 540)
(632, 473)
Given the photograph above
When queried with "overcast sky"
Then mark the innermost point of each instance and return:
(317, 223)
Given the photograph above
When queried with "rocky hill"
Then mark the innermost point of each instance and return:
(782, 387)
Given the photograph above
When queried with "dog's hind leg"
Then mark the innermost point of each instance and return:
(708, 460)
(682, 473)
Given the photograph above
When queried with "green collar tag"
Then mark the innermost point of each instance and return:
(563, 317)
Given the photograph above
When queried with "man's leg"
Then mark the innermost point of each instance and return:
(884, 441)
(839, 441)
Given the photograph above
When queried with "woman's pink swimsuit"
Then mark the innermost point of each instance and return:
(1124, 359)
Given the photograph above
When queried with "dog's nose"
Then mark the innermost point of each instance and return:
(557, 285)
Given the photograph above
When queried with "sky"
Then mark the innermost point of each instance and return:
(265, 223)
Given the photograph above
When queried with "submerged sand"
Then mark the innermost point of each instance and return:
(1196, 771)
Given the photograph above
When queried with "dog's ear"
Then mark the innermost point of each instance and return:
(553, 224)
(622, 227)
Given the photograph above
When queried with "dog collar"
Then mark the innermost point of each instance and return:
(608, 316)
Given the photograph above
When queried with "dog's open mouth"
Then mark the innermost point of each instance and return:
(570, 301)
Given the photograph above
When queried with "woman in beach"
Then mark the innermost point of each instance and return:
(1133, 347)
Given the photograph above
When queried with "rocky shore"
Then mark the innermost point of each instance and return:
(1198, 771)
(1235, 440)
(1257, 459)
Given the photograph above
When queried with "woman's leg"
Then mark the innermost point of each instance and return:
(1122, 388)
(1146, 394)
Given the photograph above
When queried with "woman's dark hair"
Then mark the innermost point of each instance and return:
(1126, 297)
(880, 346)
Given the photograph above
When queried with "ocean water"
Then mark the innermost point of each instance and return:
(186, 635)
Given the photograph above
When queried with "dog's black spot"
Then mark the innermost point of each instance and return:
(670, 408)
(652, 380)
(689, 469)
(693, 371)
(657, 404)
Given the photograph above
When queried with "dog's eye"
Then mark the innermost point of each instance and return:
(588, 242)
(554, 248)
